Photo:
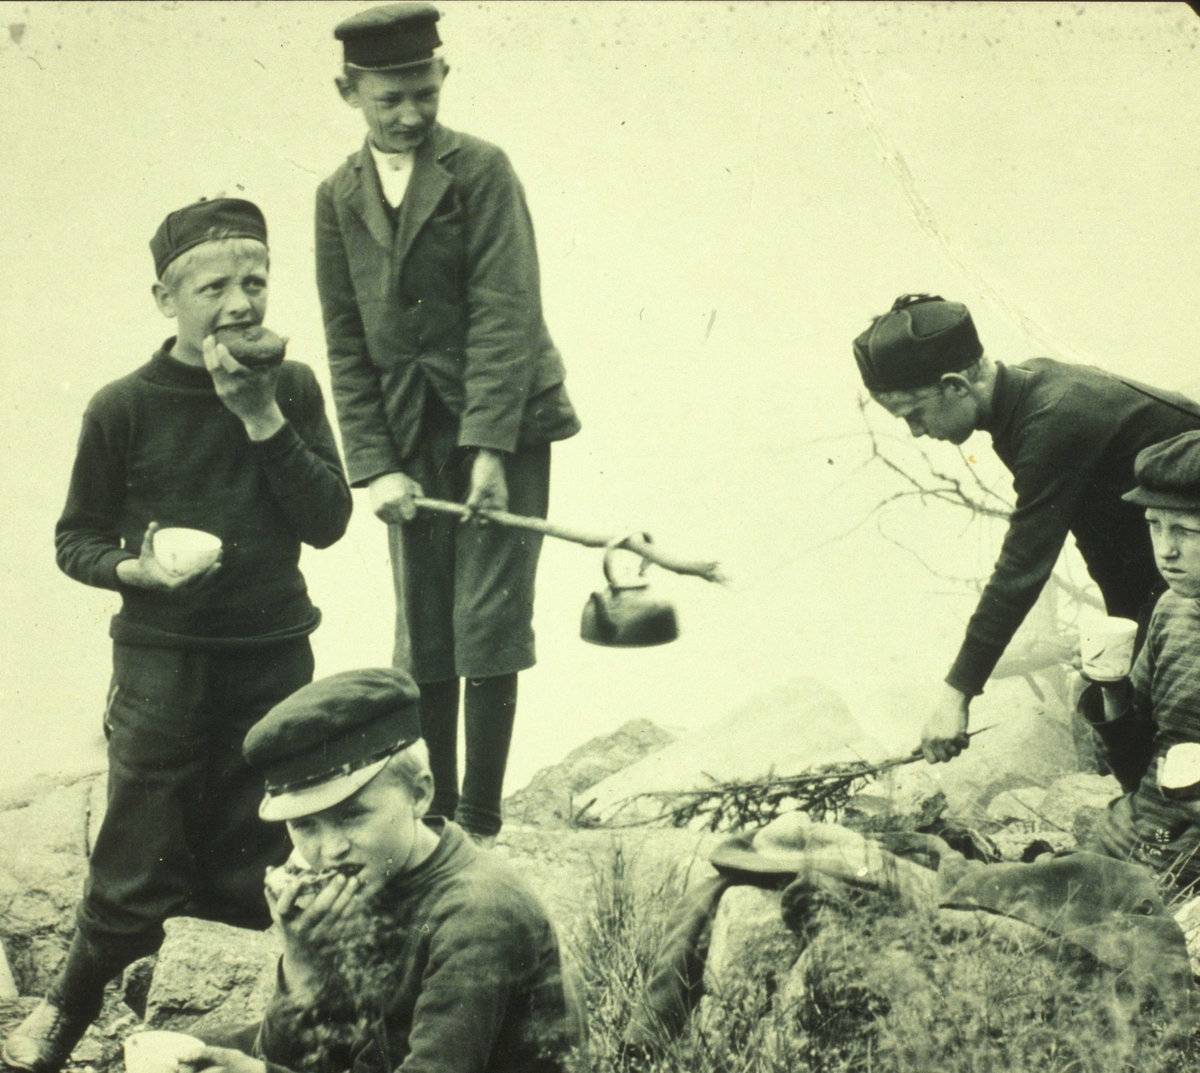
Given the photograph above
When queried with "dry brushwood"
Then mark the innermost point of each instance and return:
(822, 791)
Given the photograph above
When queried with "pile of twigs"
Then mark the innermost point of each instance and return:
(823, 792)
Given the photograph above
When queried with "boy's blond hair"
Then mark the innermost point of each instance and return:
(177, 271)
(409, 767)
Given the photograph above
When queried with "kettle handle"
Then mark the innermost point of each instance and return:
(615, 545)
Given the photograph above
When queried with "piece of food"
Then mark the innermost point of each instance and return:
(308, 883)
(252, 344)
(1179, 775)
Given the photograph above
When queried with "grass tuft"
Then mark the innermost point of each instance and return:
(876, 990)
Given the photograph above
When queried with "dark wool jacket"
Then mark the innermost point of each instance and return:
(1069, 434)
(454, 969)
(449, 300)
(159, 445)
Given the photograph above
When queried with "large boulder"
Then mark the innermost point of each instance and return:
(43, 864)
(553, 795)
(1060, 816)
(1187, 916)
(210, 973)
(750, 966)
(801, 724)
(748, 932)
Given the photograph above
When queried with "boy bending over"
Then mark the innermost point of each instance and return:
(193, 439)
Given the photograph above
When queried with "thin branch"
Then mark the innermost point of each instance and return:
(973, 582)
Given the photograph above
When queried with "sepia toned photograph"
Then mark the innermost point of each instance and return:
(560, 535)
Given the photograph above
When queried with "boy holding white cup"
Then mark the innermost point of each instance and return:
(194, 439)
(1157, 823)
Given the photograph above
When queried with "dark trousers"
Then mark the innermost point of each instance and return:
(464, 598)
(181, 835)
(489, 705)
(1152, 834)
(467, 590)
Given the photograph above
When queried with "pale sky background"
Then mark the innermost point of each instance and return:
(723, 195)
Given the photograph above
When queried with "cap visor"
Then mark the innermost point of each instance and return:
(293, 804)
(1150, 497)
(394, 66)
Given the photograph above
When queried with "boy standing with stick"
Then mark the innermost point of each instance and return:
(447, 385)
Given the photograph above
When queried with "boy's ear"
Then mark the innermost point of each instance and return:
(346, 88)
(163, 299)
(956, 383)
(422, 795)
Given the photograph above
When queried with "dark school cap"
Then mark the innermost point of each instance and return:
(920, 339)
(205, 221)
(330, 738)
(389, 36)
(1168, 474)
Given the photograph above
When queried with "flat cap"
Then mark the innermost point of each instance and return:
(1168, 474)
(389, 36)
(920, 339)
(330, 738)
(205, 221)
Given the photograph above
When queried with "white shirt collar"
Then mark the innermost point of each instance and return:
(394, 170)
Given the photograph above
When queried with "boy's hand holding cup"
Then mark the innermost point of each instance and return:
(1106, 649)
(161, 1052)
(196, 559)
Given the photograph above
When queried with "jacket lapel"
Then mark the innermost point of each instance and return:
(428, 182)
(364, 195)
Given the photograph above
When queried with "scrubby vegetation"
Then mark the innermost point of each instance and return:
(876, 991)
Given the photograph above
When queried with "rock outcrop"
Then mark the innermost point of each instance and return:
(43, 863)
(555, 794)
(210, 973)
(801, 724)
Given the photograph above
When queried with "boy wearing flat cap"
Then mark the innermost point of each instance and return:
(1155, 711)
(420, 952)
(447, 385)
(192, 439)
(1068, 433)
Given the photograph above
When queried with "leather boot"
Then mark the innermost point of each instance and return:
(43, 1042)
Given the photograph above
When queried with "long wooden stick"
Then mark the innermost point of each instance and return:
(635, 543)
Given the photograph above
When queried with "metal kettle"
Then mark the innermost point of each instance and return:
(624, 615)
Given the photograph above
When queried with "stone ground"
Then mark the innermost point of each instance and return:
(208, 972)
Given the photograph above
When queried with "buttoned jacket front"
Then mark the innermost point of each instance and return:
(447, 300)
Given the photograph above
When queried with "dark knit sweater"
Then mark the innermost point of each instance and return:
(453, 968)
(159, 445)
(1166, 688)
(1069, 434)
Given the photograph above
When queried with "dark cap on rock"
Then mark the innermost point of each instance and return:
(389, 36)
(330, 738)
(205, 221)
(1168, 474)
(916, 343)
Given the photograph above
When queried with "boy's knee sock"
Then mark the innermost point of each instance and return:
(439, 728)
(79, 987)
(489, 706)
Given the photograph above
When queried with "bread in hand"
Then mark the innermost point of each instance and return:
(252, 344)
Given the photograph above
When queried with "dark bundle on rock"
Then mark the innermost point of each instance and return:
(252, 344)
